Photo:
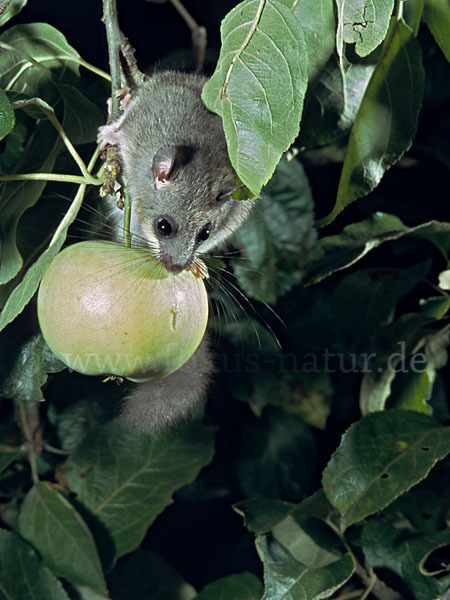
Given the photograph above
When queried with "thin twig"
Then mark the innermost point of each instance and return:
(54, 450)
(198, 34)
(50, 113)
(47, 177)
(133, 76)
(188, 18)
(113, 38)
(29, 418)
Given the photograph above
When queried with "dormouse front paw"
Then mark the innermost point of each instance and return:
(108, 134)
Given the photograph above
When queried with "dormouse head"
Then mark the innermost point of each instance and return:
(177, 170)
(188, 207)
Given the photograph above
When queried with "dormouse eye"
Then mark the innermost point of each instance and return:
(165, 227)
(204, 233)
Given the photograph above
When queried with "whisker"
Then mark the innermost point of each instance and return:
(253, 310)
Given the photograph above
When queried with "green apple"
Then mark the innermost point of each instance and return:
(105, 309)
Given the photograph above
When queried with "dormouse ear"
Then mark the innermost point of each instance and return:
(167, 163)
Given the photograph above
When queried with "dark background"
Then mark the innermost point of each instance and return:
(155, 30)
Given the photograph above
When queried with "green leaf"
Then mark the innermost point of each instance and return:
(435, 307)
(22, 574)
(289, 385)
(413, 391)
(82, 118)
(383, 455)
(362, 23)
(8, 455)
(303, 555)
(356, 79)
(324, 105)
(365, 299)
(270, 463)
(332, 102)
(49, 522)
(275, 240)
(337, 252)
(36, 54)
(309, 532)
(420, 508)
(78, 415)
(387, 118)
(81, 592)
(287, 579)
(385, 547)
(444, 279)
(25, 290)
(317, 20)
(262, 514)
(143, 574)
(12, 8)
(437, 16)
(13, 146)
(258, 86)
(30, 371)
(7, 119)
(124, 479)
(412, 12)
(17, 196)
(395, 350)
(242, 586)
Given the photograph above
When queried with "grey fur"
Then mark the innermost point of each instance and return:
(167, 110)
(175, 399)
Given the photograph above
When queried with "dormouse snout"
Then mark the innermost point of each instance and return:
(173, 267)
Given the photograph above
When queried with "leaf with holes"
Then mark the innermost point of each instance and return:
(362, 23)
(379, 458)
(258, 86)
(418, 559)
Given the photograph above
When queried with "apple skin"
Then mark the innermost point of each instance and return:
(106, 309)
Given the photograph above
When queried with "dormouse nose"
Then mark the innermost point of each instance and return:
(172, 267)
